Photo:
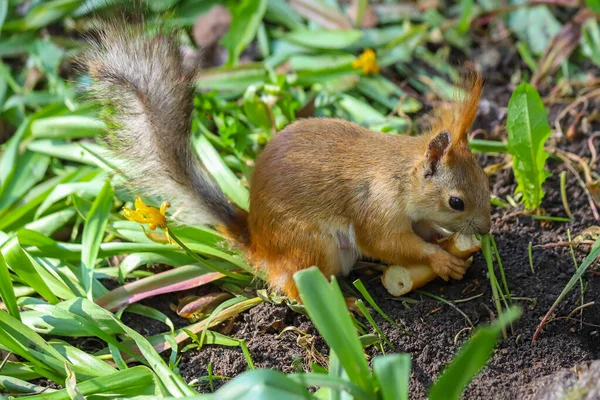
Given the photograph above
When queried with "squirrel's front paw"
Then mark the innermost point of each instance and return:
(446, 266)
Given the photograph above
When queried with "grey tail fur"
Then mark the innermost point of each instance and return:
(148, 93)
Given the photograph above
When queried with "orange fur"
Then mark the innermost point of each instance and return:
(458, 116)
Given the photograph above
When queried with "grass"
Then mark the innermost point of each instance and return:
(63, 236)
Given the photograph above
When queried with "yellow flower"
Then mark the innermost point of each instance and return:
(152, 216)
(367, 61)
(147, 215)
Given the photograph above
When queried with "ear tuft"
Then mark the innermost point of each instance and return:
(435, 150)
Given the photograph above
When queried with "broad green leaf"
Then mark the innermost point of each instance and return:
(590, 40)
(536, 25)
(325, 13)
(7, 293)
(466, 11)
(324, 39)
(278, 11)
(10, 155)
(67, 127)
(593, 5)
(235, 79)
(471, 358)
(226, 179)
(68, 151)
(18, 260)
(30, 169)
(393, 375)
(528, 130)
(87, 366)
(328, 311)
(93, 234)
(135, 381)
(24, 342)
(260, 384)
(383, 91)
(89, 189)
(364, 114)
(52, 222)
(245, 20)
(20, 370)
(3, 12)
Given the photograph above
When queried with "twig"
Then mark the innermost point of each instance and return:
(593, 149)
(581, 307)
(563, 155)
(530, 256)
(563, 193)
(565, 244)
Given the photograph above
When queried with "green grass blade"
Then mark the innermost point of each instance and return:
(246, 18)
(66, 127)
(589, 260)
(393, 375)
(315, 379)
(226, 179)
(7, 292)
(93, 233)
(261, 384)
(30, 169)
(18, 260)
(24, 342)
(136, 381)
(471, 358)
(326, 307)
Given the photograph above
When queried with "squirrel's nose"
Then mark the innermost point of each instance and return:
(484, 228)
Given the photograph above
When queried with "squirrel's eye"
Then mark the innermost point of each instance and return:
(456, 203)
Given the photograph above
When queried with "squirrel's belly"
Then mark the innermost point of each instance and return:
(347, 248)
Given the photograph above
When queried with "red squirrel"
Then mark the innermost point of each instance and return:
(324, 192)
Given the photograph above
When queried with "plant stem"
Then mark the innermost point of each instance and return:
(196, 257)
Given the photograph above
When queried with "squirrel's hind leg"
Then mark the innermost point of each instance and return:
(306, 250)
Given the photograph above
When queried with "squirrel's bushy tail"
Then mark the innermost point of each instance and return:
(148, 92)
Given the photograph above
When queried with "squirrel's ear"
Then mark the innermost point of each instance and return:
(435, 150)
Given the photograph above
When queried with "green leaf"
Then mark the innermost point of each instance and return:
(471, 358)
(7, 293)
(245, 20)
(278, 11)
(466, 11)
(3, 12)
(260, 384)
(93, 233)
(136, 381)
(393, 374)
(593, 5)
(528, 130)
(536, 25)
(235, 79)
(30, 169)
(324, 39)
(23, 266)
(328, 311)
(226, 179)
(67, 127)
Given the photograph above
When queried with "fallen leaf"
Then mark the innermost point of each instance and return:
(369, 19)
(211, 26)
